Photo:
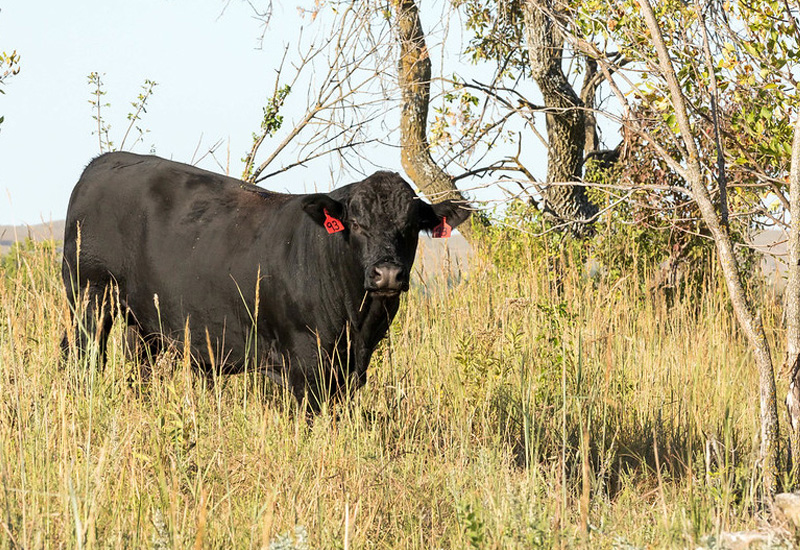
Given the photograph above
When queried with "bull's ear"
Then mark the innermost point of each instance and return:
(317, 204)
(431, 215)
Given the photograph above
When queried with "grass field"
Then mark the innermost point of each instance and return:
(507, 410)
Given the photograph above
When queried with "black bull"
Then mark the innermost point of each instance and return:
(258, 278)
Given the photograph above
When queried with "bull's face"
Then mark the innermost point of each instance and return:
(382, 218)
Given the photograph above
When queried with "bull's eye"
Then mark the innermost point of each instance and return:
(354, 226)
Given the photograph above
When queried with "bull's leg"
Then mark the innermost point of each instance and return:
(358, 370)
(307, 400)
(65, 344)
(72, 298)
(349, 370)
(92, 320)
(312, 374)
(143, 350)
(308, 386)
(328, 384)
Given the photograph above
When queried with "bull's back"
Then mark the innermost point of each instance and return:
(160, 228)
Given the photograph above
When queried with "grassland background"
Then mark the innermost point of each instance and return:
(516, 407)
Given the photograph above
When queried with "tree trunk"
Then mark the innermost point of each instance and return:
(792, 309)
(749, 322)
(565, 201)
(753, 329)
(414, 77)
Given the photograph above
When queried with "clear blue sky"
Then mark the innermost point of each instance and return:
(212, 82)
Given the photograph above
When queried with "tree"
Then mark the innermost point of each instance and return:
(572, 133)
(711, 96)
(792, 361)
(566, 114)
(414, 75)
(499, 28)
(717, 223)
(691, 83)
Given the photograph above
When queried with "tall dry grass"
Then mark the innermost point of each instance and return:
(511, 409)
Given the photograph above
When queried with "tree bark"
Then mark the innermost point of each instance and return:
(749, 322)
(414, 77)
(792, 310)
(565, 201)
(588, 91)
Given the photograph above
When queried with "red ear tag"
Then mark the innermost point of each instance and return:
(332, 224)
(442, 231)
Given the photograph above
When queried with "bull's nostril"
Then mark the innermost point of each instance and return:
(376, 274)
(388, 277)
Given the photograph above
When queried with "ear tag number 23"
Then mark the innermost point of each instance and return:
(332, 225)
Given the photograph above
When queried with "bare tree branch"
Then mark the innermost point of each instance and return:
(342, 71)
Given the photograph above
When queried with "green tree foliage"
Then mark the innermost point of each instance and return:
(9, 66)
(686, 78)
(752, 49)
(270, 123)
(517, 41)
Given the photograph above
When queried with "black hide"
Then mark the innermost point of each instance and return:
(255, 275)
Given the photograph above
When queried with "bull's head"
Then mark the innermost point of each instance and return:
(382, 217)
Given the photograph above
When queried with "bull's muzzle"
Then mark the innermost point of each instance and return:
(387, 278)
